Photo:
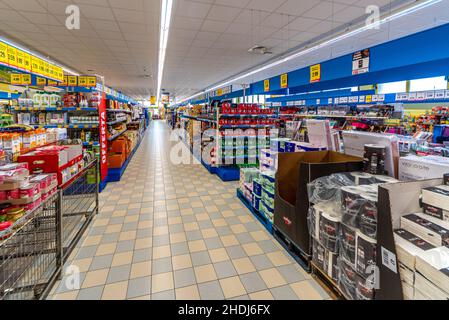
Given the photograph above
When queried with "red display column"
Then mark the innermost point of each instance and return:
(103, 139)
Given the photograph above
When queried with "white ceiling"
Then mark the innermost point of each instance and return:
(208, 40)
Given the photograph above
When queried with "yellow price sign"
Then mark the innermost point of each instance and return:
(3, 53)
(27, 61)
(46, 69)
(34, 64)
(20, 59)
(284, 81)
(369, 99)
(82, 81)
(16, 78)
(41, 67)
(26, 79)
(266, 85)
(92, 81)
(41, 81)
(64, 82)
(315, 73)
(72, 81)
(12, 56)
(52, 83)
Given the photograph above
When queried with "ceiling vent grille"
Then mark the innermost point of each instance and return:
(261, 50)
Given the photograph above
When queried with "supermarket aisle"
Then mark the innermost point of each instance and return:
(176, 232)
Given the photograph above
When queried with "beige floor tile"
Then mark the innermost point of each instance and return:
(278, 258)
(261, 295)
(191, 226)
(129, 219)
(160, 215)
(145, 225)
(161, 252)
(162, 282)
(115, 291)
(119, 213)
(70, 295)
(228, 213)
(101, 222)
(238, 228)
(260, 235)
(146, 210)
(127, 235)
(232, 287)
(209, 233)
(114, 228)
(95, 278)
(122, 258)
(105, 249)
(211, 209)
(134, 206)
(186, 211)
(196, 246)
(218, 255)
(82, 264)
(252, 249)
(205, 273)
(229, 240)
(272, 278)
(305, 291)
(159, 231)
(143, 243)
(181, 262)
(219, 222)
(141, 269)
(188, 293)
(178, 237)
(174, 220)
(246, 219)
(202, 217)
(92, 241)
(243, 265)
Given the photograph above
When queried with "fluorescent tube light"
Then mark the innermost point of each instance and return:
(166, 11)
(388, 18)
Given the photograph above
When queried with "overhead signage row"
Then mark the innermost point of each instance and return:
(17, 59)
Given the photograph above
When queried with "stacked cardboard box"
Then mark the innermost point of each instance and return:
(421, 247)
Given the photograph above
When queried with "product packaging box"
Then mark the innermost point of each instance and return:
(434, 266)
(295, 171)
(413, 168)
(355, 141)
(432, 230)
(437, 197)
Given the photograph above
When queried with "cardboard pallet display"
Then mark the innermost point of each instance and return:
(295, 171)
(395, 201)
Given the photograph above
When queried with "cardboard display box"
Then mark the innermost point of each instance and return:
(295, 171)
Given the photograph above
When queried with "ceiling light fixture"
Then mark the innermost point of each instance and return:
(166, 10)
(11, 43)
(388, 18)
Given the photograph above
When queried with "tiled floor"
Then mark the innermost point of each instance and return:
(171, 231)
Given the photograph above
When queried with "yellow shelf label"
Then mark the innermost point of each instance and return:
(284, 81)
(266, 85)
(315, 73)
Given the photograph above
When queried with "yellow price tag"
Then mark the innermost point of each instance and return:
(41, 81)
(20, 59)
(284, 81)
(92, 81)
(82, 81)
(3, 53)
(369, 99)
(59, 126)
(64, 82)
(26, 79)
(75, 126)
(52, 83)
(41, 67)
(219, 92)
(16, 78)
(26, 61)
(12, 56)
(34, 64)
(315, 73)
(266, 85)
(72, 81)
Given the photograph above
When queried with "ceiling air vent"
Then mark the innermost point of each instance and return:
(259, 50)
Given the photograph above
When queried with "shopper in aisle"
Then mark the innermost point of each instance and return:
(176, 232)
